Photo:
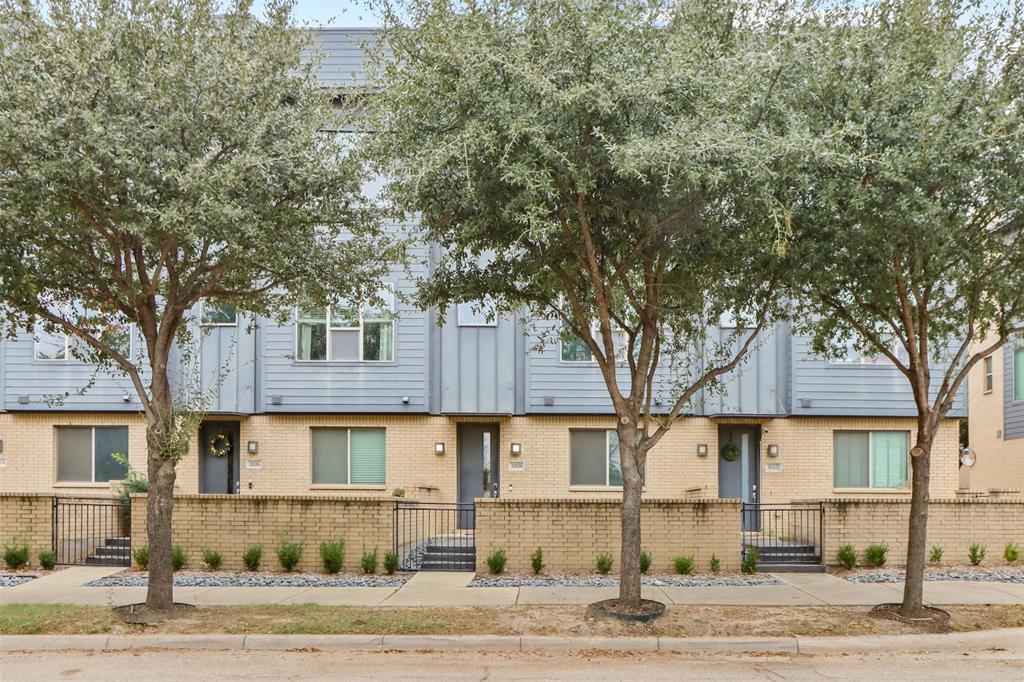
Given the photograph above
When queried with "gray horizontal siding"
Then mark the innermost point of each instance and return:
(342, 52)
(851, 389)
(39, 379)
(1013, 412)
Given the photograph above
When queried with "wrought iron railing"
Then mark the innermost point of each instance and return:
(435, 536)
(92, 530)
(784, 533)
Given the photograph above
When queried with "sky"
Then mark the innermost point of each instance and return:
(345, 13)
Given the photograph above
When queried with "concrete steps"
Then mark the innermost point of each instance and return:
(449, 558)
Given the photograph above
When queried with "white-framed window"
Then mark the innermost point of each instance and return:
(852, 356)
(347, 332)
(594, 457)
(55, 345)
(572, 348)
(86, 454)
(217, 313)
(349, 456)
(871, 459)
(989, 374)
(477, 314)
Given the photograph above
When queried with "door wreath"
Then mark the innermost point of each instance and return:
(730, 452)
(220, 445)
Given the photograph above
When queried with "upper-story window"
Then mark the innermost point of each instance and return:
(477, 314)
(870, 459)
(347, 332)
(218, 314)
(989, 375)
(50, 344)
(574, 349)
(1018, 373)
(853, 356)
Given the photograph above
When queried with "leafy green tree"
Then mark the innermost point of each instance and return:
(610, 166)
(912, 238)
(156, 153)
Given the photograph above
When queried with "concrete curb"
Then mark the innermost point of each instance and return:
(1012, 639)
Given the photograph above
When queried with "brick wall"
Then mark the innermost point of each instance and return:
(573, 532)
(26, 519)
(953, 524)
(229, 524)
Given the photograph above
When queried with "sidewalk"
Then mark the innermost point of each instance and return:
(450, 589)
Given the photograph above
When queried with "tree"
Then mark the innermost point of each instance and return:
(609, 165)
(154, 154)
(912, 243)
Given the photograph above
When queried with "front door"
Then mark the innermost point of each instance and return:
(739, 478)
(218, 457)
(479, 464)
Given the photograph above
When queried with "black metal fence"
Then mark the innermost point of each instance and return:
(92, 530)
(435, 536)
(784, 533)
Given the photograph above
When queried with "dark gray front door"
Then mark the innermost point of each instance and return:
(218, 474)
(479, 462)
(740, 479)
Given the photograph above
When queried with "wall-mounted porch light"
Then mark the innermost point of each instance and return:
(702, 449)
(253, 447)
(517, 449)
(773, 450)
(438, 449)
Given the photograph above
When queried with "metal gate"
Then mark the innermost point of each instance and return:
(92, 530)
(435, 536)
(791, 534)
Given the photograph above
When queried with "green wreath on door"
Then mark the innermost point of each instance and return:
(730, 452)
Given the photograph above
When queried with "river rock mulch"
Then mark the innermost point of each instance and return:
(246, 579)
(980, 575)
(603, 581)
(10, 580)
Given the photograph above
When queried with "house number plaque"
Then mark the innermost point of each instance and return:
(254, 464)
(517, 466)
(773, 467)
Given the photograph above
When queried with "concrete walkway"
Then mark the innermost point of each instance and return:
(451, 589)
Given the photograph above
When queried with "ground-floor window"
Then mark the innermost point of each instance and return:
(1018, 373)
(92, 454)
(594, 456)
(870, 459)
(348, 456)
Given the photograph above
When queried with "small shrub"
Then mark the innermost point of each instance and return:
(1011, 553)
(847, 557)
(496, 561)
(716, 564)
(935, 556)
(251, 557)
(48, 559)
(537, 560)
(604, 562)
(178, 557)
(875, 554)
(684, 564)
(212, 559)
(15, 555)
(369, 561)
(141, 556)
(976, 553)
(289, 553)
(750, 557)
(332, 556)
(645, 561)
(390, 562)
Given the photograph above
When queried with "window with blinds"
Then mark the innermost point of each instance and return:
(349, 456)
(1018, 373)
(870, 459)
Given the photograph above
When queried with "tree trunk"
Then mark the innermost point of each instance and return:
(632, 489)
(917, 540)
(160, 502)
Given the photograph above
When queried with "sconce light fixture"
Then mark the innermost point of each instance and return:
(126, 397)
(702, 449)
(517, 449)
(439, 449)
(253, 447)
(773, 450)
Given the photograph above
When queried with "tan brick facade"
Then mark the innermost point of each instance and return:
(284, 455)
(953, 524)
(230, 524)
(573, 532)
(1000, 462)
(26, 519)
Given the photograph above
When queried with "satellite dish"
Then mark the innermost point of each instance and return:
(967, 457)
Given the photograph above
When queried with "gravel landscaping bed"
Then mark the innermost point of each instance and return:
(8, 580)
(228, 579)
(601, 581)
(980, 575)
